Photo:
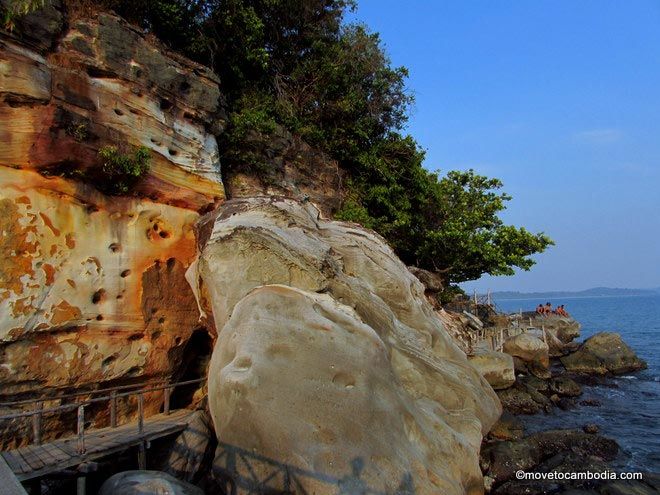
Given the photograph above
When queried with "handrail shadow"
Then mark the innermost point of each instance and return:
(236, 469)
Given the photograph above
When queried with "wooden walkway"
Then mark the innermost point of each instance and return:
(34, 461)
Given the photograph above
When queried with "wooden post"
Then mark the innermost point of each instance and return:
(81, 429)
(501, 338)
(489, 299)
(140, 412)
(81, 485)
(544, 337)
(142, 456)
(166, 404)
(113, 409)
(36, 423)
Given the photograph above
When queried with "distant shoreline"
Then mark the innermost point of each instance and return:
(577, 294)
(547, 296)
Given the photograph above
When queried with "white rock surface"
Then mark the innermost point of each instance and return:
(329, 359)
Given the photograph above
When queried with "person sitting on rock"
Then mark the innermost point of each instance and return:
(548, 308)
(561, 311)
(540, 310)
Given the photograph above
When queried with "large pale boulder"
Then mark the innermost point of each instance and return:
(603, 353)
(530, 353)
(329, 361)
(496, 367)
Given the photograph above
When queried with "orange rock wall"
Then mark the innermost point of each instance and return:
(92, 287)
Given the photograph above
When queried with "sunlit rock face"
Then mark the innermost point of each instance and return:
(330, 360)
(92, 287)
(104, 84)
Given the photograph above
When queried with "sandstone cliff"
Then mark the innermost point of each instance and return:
(92, 287)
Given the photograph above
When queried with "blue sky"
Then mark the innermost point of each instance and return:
(558, 98)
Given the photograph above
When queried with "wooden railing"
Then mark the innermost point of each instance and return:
(114, 394)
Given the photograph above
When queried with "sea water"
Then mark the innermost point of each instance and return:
(630, 405)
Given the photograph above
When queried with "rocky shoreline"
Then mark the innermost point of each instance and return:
(550, 375)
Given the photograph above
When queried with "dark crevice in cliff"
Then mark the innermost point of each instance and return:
(194, 364)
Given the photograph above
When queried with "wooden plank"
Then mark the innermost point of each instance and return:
(30, 457)
(62, 453)
(9, 485)
(12, 462)
(33, 453)
(18, 459)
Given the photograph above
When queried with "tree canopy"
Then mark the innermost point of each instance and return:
(299, 65)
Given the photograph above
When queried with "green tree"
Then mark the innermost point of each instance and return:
(464, 238)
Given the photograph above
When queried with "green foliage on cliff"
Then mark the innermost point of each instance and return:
(11, 9)
(296, 64)
(121, 171)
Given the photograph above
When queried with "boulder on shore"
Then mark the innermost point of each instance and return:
(531, 353)
(330, 361)
(495, 367)
(603, 353)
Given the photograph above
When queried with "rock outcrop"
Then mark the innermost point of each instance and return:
(496, 367)
(329, 361)
(292, 168)
(147, 482)
(603, 353)
(92, 287)
(529, 353)
(548, 451)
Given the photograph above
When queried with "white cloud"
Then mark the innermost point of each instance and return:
(599, 136)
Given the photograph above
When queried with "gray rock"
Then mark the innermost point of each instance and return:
(147, 483)
(601, 354)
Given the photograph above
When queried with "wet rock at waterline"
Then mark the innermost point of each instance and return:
(330, 360)
(603, 353)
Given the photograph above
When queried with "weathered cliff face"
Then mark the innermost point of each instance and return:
(92, 287)
(294, 169)
(329, 358)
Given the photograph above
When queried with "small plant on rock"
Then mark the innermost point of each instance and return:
(121, 171)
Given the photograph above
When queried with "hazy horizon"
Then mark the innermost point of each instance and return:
(560, 100)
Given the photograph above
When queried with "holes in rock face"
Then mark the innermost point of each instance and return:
(177, 341)
(344, 379)
(98, 296)
(99, 73)
(165, 104)
(172, 152)
(99, 317)
(195, 356)
(243, 363)
(184, 86)
(133, 371)
(125, 273)
(164, 234)
(155, 141)
(119, 112)
(135, 336)
(107, 362)
(115, 247)
(161, 320)
(156, 334)
(170, 263)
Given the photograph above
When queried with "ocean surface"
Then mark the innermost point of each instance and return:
(630, 411)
